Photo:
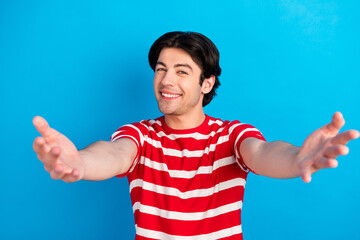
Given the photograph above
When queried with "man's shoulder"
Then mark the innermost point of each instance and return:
(220, 122)
(230, 126)
(147, 125)
(146, 122)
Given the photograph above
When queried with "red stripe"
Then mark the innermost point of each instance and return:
(199, 204)
(188, 228)
(184, 163)
(201, 181)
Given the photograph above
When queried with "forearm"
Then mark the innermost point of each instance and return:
(283, 160)
(275, 159)
(101, 161)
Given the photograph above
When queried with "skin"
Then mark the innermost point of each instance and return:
(99, 161)
(282, 160)
(179, 97)
(178, 75)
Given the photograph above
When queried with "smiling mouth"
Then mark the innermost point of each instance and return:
(169, 95)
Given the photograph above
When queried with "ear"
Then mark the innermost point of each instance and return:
(207, 84)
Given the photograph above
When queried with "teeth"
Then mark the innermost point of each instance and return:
(170, 95)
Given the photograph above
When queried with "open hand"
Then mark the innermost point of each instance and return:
(58, 154)
(323, 146)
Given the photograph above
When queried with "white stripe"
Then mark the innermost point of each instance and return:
(187, 174)
(152, 122)
(137, 143)
(115, 133)
(231, 129)
(188, 153)
(123, 136)
(170, 191)
(196, 135)
(218, 122)
(132, 126)
(242, 133)
(133, 165)
(210, 236)
(140, 133)
(178, 153)
(187, 216)
(237, 153)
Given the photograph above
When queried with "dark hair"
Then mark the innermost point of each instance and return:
(202, 50)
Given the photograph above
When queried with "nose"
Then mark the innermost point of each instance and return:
(168, 79)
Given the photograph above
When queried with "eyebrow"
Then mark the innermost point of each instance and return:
(176, 65)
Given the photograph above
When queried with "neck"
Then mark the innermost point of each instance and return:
(185, 121)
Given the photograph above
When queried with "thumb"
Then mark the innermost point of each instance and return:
(306, 175)
(42, 126)
(337, 122)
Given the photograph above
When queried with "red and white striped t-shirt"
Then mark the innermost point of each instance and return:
(187, 184)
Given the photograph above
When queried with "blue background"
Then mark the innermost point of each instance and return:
(288, 65)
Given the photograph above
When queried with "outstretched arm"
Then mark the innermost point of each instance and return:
(99, 161)
(283, 160)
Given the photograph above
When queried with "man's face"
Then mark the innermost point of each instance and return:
(176, 83)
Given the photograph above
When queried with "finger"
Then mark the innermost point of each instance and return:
(42, 126)
(336, 123)
(335, 151)
(54, 154)
(345, 137)
(41, 148)
(57, 172)
(50, 158)
(306, 175)
(325, 162)
(39, 145)
(72, 177)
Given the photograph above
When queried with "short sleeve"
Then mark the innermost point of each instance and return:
(240, 132)
(135, 133)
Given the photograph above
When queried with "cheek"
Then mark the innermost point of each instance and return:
(155, 86)
(192, 86)
(187, 83)
(156, 82)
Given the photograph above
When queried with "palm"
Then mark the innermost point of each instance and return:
(59, 155)
(323, 146)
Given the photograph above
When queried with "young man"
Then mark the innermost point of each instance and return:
(187, 171)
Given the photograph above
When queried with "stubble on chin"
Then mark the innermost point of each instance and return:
(168, 108)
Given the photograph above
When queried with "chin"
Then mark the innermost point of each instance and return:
(169, 111)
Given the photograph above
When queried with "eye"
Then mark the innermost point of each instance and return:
(160, 69)
(182, 72)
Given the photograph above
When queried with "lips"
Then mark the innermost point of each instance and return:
(169, 95)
